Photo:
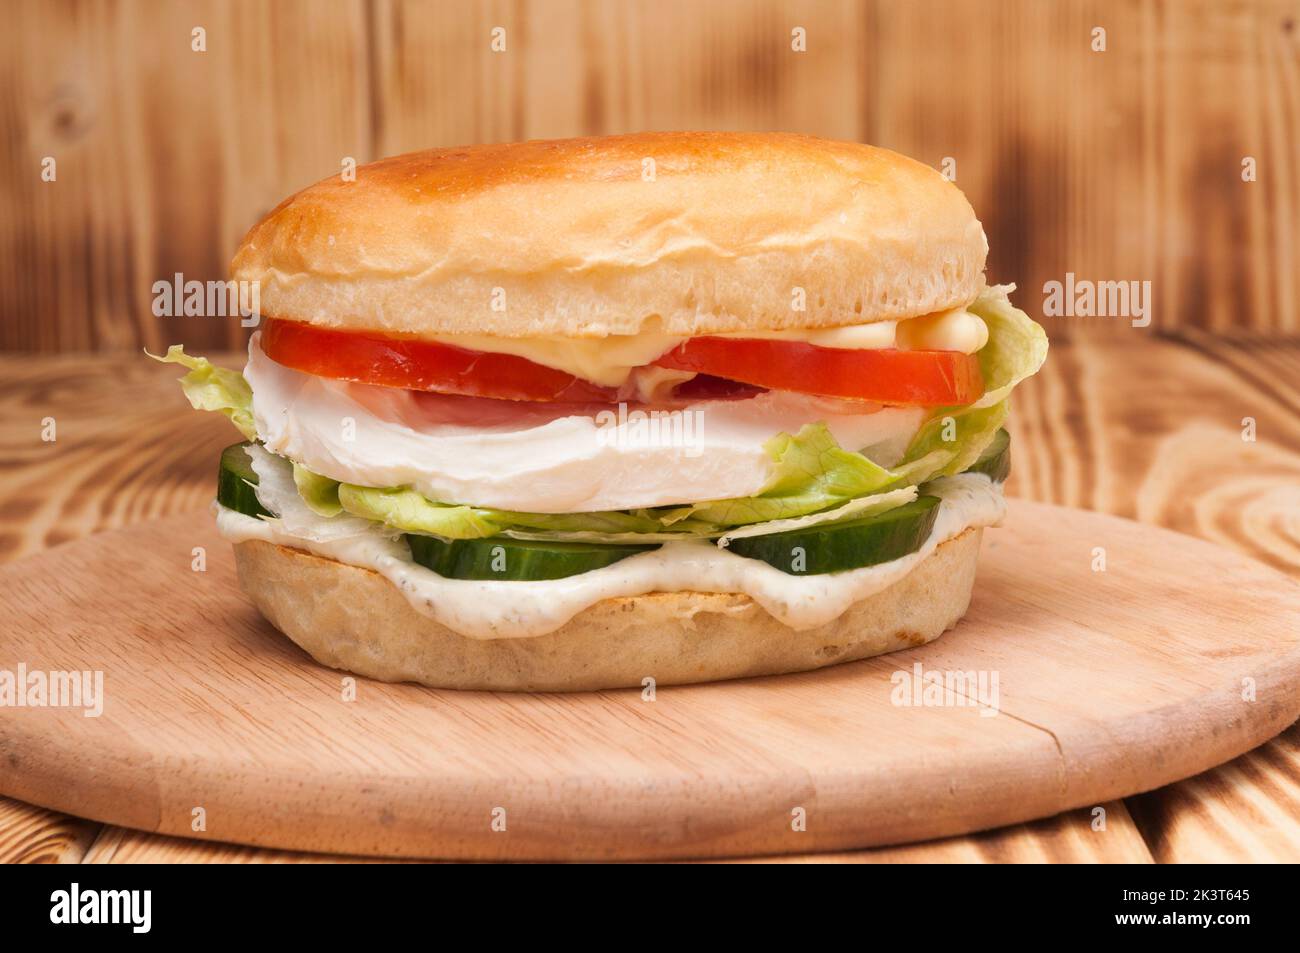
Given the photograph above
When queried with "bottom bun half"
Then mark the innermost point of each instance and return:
(354, 619)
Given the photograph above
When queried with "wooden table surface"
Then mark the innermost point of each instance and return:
(1134, 423)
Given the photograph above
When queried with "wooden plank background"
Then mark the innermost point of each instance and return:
(1115, 165)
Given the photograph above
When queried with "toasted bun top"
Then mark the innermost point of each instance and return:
(686, 233)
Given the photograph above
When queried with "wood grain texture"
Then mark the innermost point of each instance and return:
(1154, 428)
(124, 450)
(1098, 427)
(1115, 165)
(165, 156)
(1244, 811)
(33, 835)
(119, 845)
(1108, 683)
(1073, 837)
(1066, 838)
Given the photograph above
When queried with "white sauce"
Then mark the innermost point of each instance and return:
(611, 360)
(540, 458)
(607, 361)
(494, 610)
(955, 330)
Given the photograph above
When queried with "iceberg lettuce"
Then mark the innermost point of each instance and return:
(406, 509)
(209, 387)
(1016, 348)
(858, 508)
(954, 437)
(813, 479)
(321, 494)
(810, 472)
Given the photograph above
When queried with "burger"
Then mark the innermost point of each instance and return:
(580, 414)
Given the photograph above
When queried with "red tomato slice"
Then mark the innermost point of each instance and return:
(928, 378)
(422, 365)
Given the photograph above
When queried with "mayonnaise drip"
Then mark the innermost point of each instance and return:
(506, 609)
(544, 458)
(611, 360)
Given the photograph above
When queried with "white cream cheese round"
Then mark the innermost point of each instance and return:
(544, 458)
(488, 609)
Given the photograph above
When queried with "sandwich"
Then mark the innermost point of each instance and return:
(606, 412)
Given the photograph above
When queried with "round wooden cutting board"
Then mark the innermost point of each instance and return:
(1115, 658)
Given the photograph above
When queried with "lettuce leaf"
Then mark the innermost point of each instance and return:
(1016, 348)
(278, 493)
(209, 387)
(813, 479)
(811, 472)
(862, 506)
(692, 529)
(954, 437)
(950, 443)
(406, 509)
(321, 494)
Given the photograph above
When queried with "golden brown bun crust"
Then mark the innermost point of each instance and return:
(354, 619)
(583, 242)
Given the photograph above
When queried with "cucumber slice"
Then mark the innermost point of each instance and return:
(236, 479)
(499, 557)
(836, 547)
(995, 461)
